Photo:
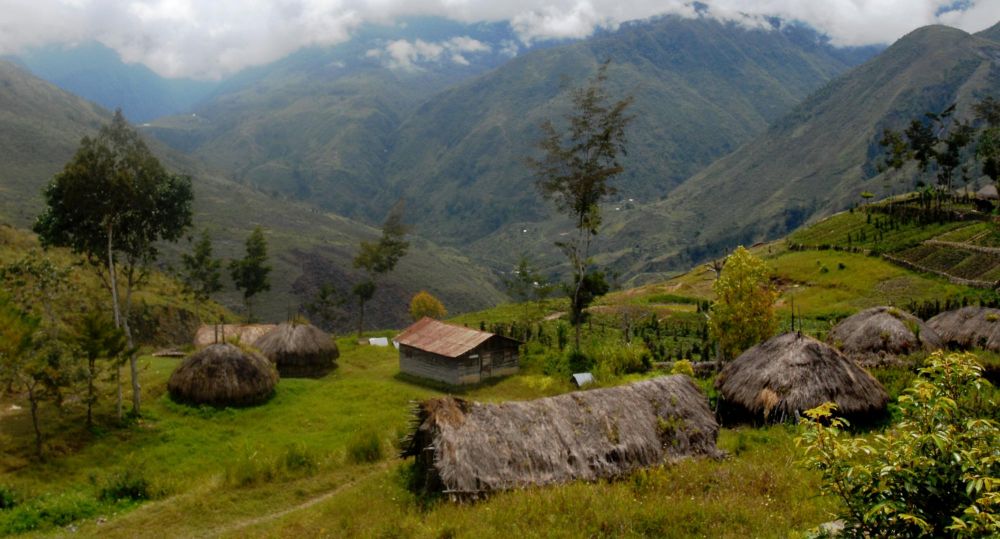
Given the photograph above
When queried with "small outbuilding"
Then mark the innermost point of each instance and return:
(879, 335)
(223, 375)
(455, 355)
(786, 375)
(968, 328)
(467, 449)
(299, 350)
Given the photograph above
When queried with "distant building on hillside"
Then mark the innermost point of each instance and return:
(455, 355)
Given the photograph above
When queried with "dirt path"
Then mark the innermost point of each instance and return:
(247, 523)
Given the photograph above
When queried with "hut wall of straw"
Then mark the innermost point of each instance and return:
(299, 350)
(468, 449)
(223, 375)
(782, 377)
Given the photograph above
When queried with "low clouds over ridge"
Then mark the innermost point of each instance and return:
(194, 38)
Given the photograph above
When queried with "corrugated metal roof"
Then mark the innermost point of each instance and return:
(442, 339)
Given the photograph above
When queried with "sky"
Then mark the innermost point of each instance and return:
(210, 39)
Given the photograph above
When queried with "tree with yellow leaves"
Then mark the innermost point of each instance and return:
(423, 304)
(743, 312)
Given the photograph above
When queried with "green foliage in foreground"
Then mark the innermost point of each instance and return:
(936, 473)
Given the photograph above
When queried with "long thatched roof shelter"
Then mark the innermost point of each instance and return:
(223, 375)
(215, 333)
(968, 328)
(299, 350)
(468, 449)
(880, 335)
(780, 378)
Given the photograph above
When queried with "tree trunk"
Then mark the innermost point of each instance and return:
(116, 309)
(132, 360)
(91, 365)
(118, 382)
(33, 400)
(361, 317)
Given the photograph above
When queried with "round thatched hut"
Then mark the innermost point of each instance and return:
(782, 377)
(969, 327)
(879, 335)
(223, 375)
(299, 350)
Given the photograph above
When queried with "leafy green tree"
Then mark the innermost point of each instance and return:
(250, 274)
(936, 473)
(988, 142)
(527, 284)
(201, 274)
(424, 304)
(34, 363)
(114, 202)
(327, 306)
(743, 312)
(98, 338)
(379, 258)
(576, 170)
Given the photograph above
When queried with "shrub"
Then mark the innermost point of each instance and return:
(299, 459)
(251, 467)
(579, 362)
(8, 498)
(126, 484)
(936, 473)
(683, 367)
(365, 447)
(743, 313)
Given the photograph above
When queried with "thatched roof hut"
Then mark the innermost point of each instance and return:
(879, 335)
(468, 449)
(782, 377)
(223, 375)
(969, 327)
(215, 333)
(299, 350)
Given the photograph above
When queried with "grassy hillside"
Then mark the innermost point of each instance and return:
(817, 159)
(41, 127)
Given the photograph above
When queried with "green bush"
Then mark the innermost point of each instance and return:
(47, 512)
(365, 447)
(299, 459)
(579, 362)
(126, 484)
(251, 467)
(935, 474)
(617, 359)
(683, 367)
(8, 498)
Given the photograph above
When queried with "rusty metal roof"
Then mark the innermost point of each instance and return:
(442, 339)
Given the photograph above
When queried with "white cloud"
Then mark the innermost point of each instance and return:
(407, 55)
(215, 38)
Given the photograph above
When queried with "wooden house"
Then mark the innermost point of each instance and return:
(455, 355)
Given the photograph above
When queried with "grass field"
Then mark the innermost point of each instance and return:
(233, 472)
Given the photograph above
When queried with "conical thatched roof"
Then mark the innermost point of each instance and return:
(969, 327)
(299, 350)
(223, 375)
(791, 373)
(467, 449)
(879, 335)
